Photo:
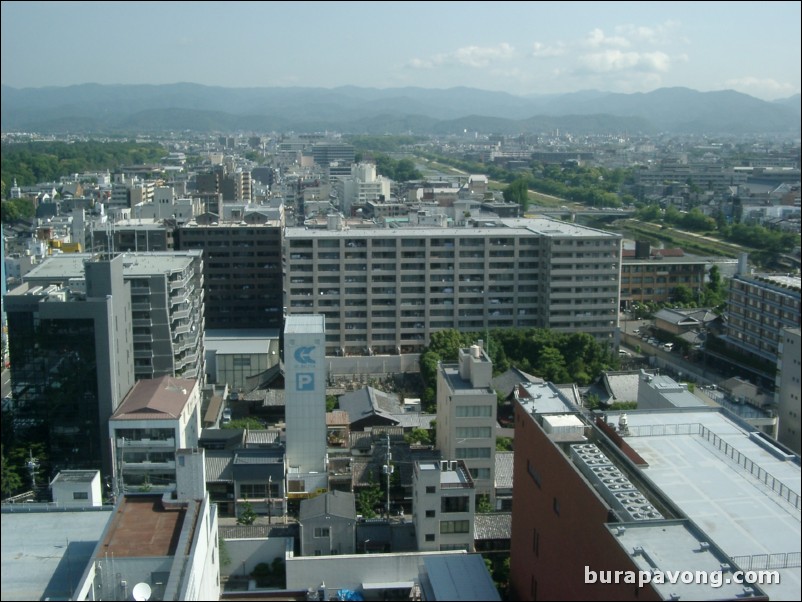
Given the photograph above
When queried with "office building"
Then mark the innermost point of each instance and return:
(466, 416)
(73, 362)
(166, 303)
(325, 153)
(683, 489)
(385, 290)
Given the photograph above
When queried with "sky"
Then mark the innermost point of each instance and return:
(519, 47)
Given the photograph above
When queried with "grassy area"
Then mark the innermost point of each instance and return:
(690, 242)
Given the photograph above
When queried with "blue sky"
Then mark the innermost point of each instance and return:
(518, 47)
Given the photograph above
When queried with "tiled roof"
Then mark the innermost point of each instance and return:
(492, 525)
(504, 470)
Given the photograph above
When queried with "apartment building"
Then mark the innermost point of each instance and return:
(443, 506)
(242, 269)
(157, 418)
(789, 406)
(466, 416)
(166, 303)
(759, 307)
(386, 290)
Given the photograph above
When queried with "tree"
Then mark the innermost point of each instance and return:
(518, 192)
(16, 209)
(247, 516)
(244, 423)
(682, 294)
(503, 443)
(418, 435)
(11, 481)
(484, 506)
(367, 499)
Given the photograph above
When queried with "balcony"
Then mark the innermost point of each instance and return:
(146, 443)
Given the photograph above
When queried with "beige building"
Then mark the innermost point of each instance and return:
(788, 389)
(443, 506)
(386, 290)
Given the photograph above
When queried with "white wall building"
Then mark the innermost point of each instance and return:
(305, 391)
(77, 488)
(466, 416)
(443, 506)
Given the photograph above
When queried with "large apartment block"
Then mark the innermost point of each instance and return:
(243, 269)
(386, 290)
(166, 304)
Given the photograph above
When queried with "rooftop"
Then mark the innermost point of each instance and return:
(739, 488)
(161, 398)
(304, 324)
(75, 476)
(141, 527)
(542, 398)
(60, 268)
(43, 553)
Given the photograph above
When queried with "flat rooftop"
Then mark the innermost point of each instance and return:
(60, 268)
(539, 226)
(743, 494)
(142, 527)
(44, 553)
(457, 383)
(304, 324)
(678, 546)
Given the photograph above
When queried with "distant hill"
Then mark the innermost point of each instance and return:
(94, 108)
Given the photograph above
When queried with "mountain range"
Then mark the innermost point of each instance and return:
(95, 108)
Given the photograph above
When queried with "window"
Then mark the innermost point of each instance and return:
(321, 531)
(455, 504)
(252, 490)
(80, 495)
(479, 473)
(430, 489)
(455, 526)
(533, 473)
(430, 513)
(473, 411)
(469, 432)
(472, 452)
(556, 506)
(430, 537)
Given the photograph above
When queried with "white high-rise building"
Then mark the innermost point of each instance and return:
(305, 377)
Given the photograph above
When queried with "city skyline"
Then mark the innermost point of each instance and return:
(521, 48)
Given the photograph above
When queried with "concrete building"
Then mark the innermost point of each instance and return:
(443, 506)
(361, 187)
(325, 153)
(242, 271)
(157, 417)
(77, 488)
(466, 416)
(651, 275)
(328, 524)
(305, 413)
(385, 290)
(235, 357)
(166, 302)
(160, 547)
(691, 489)
(759, 307)
(789, 407)
(73, 362)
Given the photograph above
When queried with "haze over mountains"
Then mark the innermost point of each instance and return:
(93, 108)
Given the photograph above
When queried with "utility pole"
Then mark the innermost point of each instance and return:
(270, 500)
(33, 466)
(388, 470)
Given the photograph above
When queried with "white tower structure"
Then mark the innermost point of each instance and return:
(305, 373)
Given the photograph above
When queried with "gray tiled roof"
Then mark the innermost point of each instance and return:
(335, 503)
(504, 470)
(492, 525)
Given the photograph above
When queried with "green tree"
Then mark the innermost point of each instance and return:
(682, 294)
(503, 443)
(11, 481)
(368, 498)
(418, 435)
(483, 506)
(247, 516)
(332, 403)
(16, 209)
(244, 423)
(518, 192)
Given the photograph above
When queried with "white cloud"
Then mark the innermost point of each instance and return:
(661, 34)
(470, 56)
(597, 39)
(547, 51)
(612, 60)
